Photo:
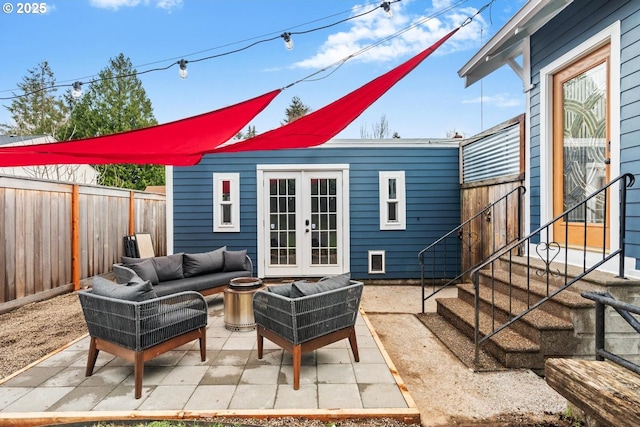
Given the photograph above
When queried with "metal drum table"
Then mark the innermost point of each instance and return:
(238, 303)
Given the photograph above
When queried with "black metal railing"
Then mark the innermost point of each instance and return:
(603, 299)
(446, 255)
(549, 251)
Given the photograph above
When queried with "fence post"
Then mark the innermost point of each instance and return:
(75, 236)
(132, 222)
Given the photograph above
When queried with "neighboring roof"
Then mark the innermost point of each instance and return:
(507, 44)
(14, 139)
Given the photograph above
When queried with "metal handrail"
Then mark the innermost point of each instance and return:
(521, 190)
(628, 180)
(603, 299)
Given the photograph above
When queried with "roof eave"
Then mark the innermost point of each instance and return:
(507, 43)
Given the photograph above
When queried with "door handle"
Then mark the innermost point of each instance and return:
(607, 161)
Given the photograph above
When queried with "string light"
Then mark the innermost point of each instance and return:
(77, 90)
(182, 63)
(386, 6)
(288, 43)
(183, 68)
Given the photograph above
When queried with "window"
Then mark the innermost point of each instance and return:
(392, 201)
(376, 262)
(226, 202)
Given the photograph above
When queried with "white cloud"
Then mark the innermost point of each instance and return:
(117, 4)
(498, 100)
(374, 27)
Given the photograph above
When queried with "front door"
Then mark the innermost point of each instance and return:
(303, 228)
(581, 149)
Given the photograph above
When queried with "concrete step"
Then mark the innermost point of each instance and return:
(532, 289)
(509, 347)
(553, 334)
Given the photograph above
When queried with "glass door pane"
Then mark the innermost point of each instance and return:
(282, 221)
(324, 231)
(584, 142)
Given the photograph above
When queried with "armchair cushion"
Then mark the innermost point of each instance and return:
(146, 270)
(168, 267)
(133, 291)
(234, 260)
(284, 290)
(303, 288)
(203, 263)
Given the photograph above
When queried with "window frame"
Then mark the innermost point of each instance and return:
(234, 202)
(383, 185)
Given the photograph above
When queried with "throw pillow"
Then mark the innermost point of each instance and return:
(168, 267)
(203, 263)
(131, 260)
(284, 290)
(146, 270)
(234, 260)
(302, 288)
(129, 292)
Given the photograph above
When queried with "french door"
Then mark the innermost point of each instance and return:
(581, 150)
(303, 227)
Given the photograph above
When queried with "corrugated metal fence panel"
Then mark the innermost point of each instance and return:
(494, 156)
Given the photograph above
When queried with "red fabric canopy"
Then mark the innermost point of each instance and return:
(321, 125)
(177, 143)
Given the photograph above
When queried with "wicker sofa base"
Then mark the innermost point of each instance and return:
(138, 358)
(298, 349)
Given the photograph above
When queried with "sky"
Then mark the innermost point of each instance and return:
(79, 37)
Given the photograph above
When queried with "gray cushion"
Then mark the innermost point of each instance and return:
(234, 260)
(146, 270)
(131, 260)
(168, 267)
(302, 288)
(130, 292)
(284, 290)
(203, 263)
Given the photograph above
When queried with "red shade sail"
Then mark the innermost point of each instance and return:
(321, 125)
(176, 143)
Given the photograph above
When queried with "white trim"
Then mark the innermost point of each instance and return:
(610, 35)
(342, 168)
(381, 253)
(168, 174)
(234, 183)
(526, 61)
(383, 186)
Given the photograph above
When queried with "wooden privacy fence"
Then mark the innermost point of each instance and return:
(54, 234)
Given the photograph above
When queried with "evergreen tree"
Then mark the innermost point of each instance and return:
(37, 111)
(117, 102)
(295, 110)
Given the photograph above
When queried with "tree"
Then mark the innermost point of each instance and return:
(117, 102)
(378, 130)
(295, 110)
(38, 111)
(249, 133)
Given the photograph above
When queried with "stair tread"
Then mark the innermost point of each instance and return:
(507, 339)
(538, 287)
(539, 319)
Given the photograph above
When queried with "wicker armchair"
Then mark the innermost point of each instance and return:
(306, 323)
(140, 331)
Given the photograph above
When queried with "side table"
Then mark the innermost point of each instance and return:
(238, 303)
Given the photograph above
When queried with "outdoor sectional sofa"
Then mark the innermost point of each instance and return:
(207, 273)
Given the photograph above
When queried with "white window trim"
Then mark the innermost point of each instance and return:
(383, 185)
(384, 262)
(234, 179)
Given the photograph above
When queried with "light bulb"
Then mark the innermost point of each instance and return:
(77, 90)
(387, 8)
(183, 69)
(288, 43)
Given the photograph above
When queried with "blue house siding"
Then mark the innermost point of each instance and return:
(432, 194)
(574, 25)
